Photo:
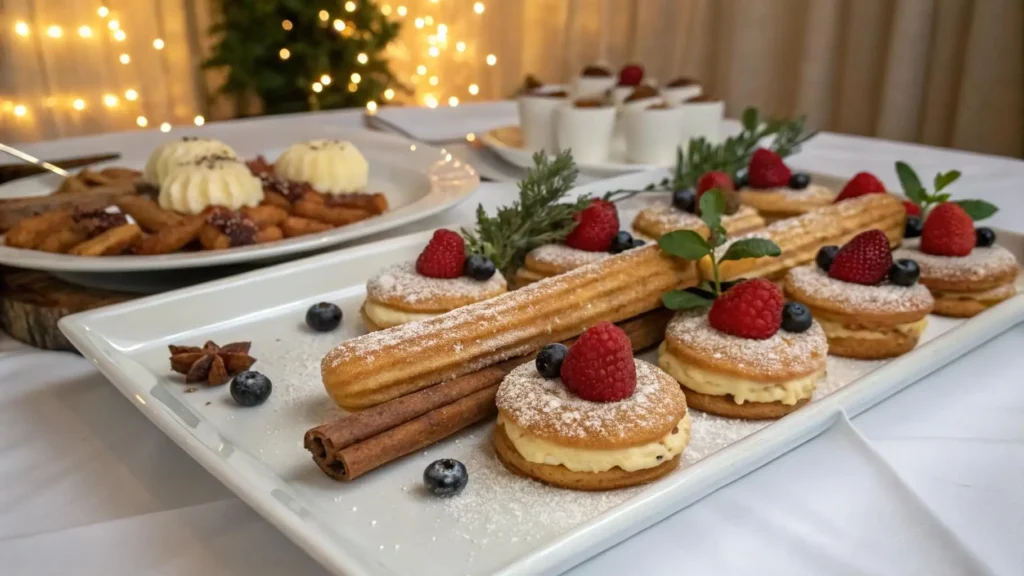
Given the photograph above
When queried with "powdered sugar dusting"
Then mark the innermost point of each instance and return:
(666, 216)
(812, 192)
(402, 282)
(980, 264)
(565, 257)
(782, 354)
(533, 401)
(852, 298)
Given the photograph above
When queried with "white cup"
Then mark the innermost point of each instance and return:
(536, 118)
(652, 134)
(585, 131)
(593, 86)
(680, 94)
(702, 119)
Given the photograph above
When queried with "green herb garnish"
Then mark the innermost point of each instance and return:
(918, 194)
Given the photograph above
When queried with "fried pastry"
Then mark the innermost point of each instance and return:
(779, 203)
(33, 231)
(113, 241)
(801, 237)
(752, 379)
(964, 286)
(382, 365)
(551, 260)
(654, 222)
(548, 433)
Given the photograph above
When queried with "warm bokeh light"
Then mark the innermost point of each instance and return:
(158, 44)
(125, 58)
(142, 121)
(478, 7)
(474, 89)
(21, 29)
(20, 110)
(78, 104)
(389, 94)
(350, 6)
(131, 95)
(460, 46)
(421, 69)
(109, 100)
(54, 32)
(433, 51)
(453, 101)
(430, 100)
(371, 106)
(492, 59)
(119, 35)
(418, 23)
(113, 24)
(318, 87)
(362, 58)
(339, 25)
(386, 9)
(285, 53)
(352, 87)
(470, 137)
(402, 10)
(325, 80)
(85, 32)
(199, 120)
(165, 127)
(442, 31)
(356, 78)
(324, 15)
(286, 24)
(432, 80)
(103, 11)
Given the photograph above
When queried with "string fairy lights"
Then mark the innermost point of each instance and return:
(109, 101)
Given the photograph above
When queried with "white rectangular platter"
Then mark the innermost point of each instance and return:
(384, 522)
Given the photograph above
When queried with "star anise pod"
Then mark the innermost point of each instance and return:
(211, 364)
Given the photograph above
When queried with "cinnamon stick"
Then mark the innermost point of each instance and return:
(356, 444)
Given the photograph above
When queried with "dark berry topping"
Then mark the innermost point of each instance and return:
(685, 199)
(904, 272)
(912, 229)
(984, 237)
(478, 267)
(549, 360)
(637, 243)
(323, 317)
(799, 180)
(741, 180)
(825, 257)
(795, 317)
(250, 388)
(446, 477)
(623, 241)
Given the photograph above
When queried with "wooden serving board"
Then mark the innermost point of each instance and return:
(32, 302)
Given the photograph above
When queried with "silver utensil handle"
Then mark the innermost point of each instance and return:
(33, 160)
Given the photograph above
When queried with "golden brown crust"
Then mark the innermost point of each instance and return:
(726, 406)
(824, 309)
(956, 307)
(784, 203)
(564, 478)
(402, 288)
(656, 221)
(524, 276)
(801, 237)
(892, 344)
(437, 304)
(998, 277)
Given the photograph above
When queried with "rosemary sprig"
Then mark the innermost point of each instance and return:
(536, 218)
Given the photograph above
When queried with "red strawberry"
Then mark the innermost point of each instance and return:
(631, 75)
(862, 183)
(443, 257)
(948, 231)
(767, 170)
(911, 208)
(864, 260)
(596, 227)
(714, 179)
(751, 309)
(599, 367)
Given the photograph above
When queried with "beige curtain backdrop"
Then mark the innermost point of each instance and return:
(941, 72)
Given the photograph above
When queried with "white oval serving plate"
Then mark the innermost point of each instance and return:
(507, 142)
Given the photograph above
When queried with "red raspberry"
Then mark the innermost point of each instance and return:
(767, 170)
(599, 367)
(751, 309)
(911, 208)
(631, 75)
(862, 183)
(864, 260)
(948, 231)
(596, 227)
(714, 179)
(443, 257)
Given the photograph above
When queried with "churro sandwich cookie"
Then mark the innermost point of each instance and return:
(442, 279)
(591, 417)
(595, 237)
(776, 192)
(965, 270)
(751, 356)
(869, 306)
(683, 213)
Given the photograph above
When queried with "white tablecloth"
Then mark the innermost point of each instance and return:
(929, 482)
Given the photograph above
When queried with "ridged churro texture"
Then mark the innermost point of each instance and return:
(801, 237)
(383, 365)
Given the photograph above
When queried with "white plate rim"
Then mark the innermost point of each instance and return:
(524, 158)
(450, 181)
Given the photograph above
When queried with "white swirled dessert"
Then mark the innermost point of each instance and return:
(170, 155)
(191, 187)
(329, 166)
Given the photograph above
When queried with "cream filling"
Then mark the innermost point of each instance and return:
(385, 316)
(836, 330)
(741, 389)
(540, 451)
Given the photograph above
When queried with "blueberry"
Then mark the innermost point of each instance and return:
(799, 180)
(250, 388)
(685, 199)
(825, 257)
(912, 229)
(478, 267)
(904, 272)
(984, 237)
(795, 317)
(741, 180)
(637, 243)
(446, 477)
(549, 360)
(623, 241)
(323, 317)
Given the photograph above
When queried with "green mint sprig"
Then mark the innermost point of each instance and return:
(918, 194)
(689, 245)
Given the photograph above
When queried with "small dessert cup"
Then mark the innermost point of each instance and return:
(593, 82)
(586, 126)
(536, 117)
(702, 116)
(652, 133)
(681, 89)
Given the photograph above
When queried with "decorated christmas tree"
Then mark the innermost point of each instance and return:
(298, 55)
